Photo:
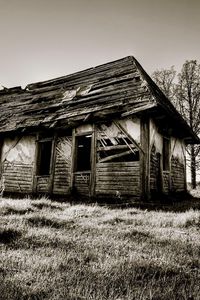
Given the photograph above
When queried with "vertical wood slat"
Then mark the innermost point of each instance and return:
(1, 146)
(73, 161)
(145, 159)
(52, 164)
(34, 184)
(62, 172)
(93, 163)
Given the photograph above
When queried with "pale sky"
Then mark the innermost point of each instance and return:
(43, 39)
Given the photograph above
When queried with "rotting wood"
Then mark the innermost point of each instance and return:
(139, 109)
(129, 136)
(145, 159)
(52, 164)
(93, 162)
(111, 157)
(115, 147)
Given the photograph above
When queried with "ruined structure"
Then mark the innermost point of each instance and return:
(106, 131)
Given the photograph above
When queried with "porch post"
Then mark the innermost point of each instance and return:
(145, 159)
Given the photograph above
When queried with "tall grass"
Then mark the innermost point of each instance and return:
(57, 251)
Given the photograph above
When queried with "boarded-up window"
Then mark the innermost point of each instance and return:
(44, 157)
(83, 153)
(166, 150)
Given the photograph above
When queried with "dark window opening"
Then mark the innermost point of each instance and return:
(83, 161)
(44, 157)
(166, 153)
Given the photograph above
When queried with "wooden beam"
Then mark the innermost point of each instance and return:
(52, 164)
(34, 184)
(145, 159)
(115, 156)
(73, 161)
(115, 147)
(93, 162)
(128, 135)
(1, 163)
(138, 109)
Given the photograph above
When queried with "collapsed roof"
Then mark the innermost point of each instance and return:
(118, 89)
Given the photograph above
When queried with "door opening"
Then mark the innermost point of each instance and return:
(83, 154)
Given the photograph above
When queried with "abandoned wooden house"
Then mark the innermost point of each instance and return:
(107, 131)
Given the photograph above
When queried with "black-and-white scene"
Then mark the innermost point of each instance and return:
(99, 150)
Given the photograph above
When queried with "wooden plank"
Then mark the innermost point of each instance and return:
(117, 186)
(128, 135)
(116, 147)
(127, 179)
(74, 154)
(139, 109)
(113, 193)
(52, 163)
(116, 173)
(34, 183)
(145, 159)
(18, 179)
(93, 161)
(120, 164)
(115, 156)
(117, 168)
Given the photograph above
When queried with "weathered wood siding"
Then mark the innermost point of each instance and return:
(173, 180)
(154, 169)
(62, 173)
(43, 184)
(118, 178)
(82, 183)
(17, 164)
(166, 182)
(178, 172)
(155, 157)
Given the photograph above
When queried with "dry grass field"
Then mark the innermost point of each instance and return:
(57, 251)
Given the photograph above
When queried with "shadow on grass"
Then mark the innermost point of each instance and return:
(117, 220)
(46, 205)
(10, 291)
(47, 222)
(10, 211)
(8, 236)
(136, 234)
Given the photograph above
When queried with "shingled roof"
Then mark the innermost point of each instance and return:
(118, 88)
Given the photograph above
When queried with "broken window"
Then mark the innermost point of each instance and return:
(114, 145)
(44, 157)
(166, 153)
(83, 153)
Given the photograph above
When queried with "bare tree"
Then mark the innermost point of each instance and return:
(188, 103)
(165, 80)
(185, 95)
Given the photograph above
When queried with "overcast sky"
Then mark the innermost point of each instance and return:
(43, 39)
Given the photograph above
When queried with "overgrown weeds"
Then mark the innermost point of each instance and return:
(56, 251)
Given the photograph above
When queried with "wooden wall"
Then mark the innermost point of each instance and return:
(62, 173)
(173, 180)
(17, 162)
(118, 179)
(18, 159)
